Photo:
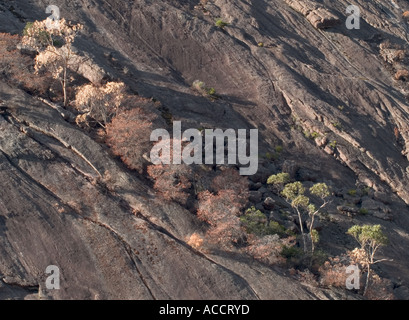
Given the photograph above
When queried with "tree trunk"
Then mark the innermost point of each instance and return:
(302, 230)
(311, 228)
(312, 245)
(64, 86)
(367, 278)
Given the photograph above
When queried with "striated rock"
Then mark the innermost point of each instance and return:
(255, 186)
(348, 211)
(382, 197)
(377, 209)
(264, 190)
(52, 214)
(319, 16)
(255, 196)
(89, 69)
(374, 205)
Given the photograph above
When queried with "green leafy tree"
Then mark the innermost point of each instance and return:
(321, 191)
(255, 222)
(294, 193)
(279, 180)
(370, 238)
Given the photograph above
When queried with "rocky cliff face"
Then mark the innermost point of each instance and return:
(330, 96)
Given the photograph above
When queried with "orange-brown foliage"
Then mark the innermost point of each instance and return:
(221, 212)
(230, 179)
(221, 209)
(18, 69)
(402, 75)
(195, 241)
(333, 272)
(129, 136)
(172, 181)
(268, 248)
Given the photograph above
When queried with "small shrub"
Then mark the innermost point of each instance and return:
(200, 86)
(399, 55)
(270, 156)
(315, 135)
(337, 124)
(275, 228)
(402, 75)
(290, 252)
(363, 211)
(279, 149)
(380, 289)
(195, 241)
(222, 208)
(318, 258)
(27, 27)
(279, 179)
(255, 222)
(221, 24)
(333, 144)
(333, 271)
(211, 91)
(274, 155)
(311, 135)
(352, 192)
(307, 277)
(365, 191)
(267, 249)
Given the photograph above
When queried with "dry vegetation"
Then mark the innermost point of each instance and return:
(172, 181)
(100, 103)
(128, 138)
(221, 209)
(17, 68)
